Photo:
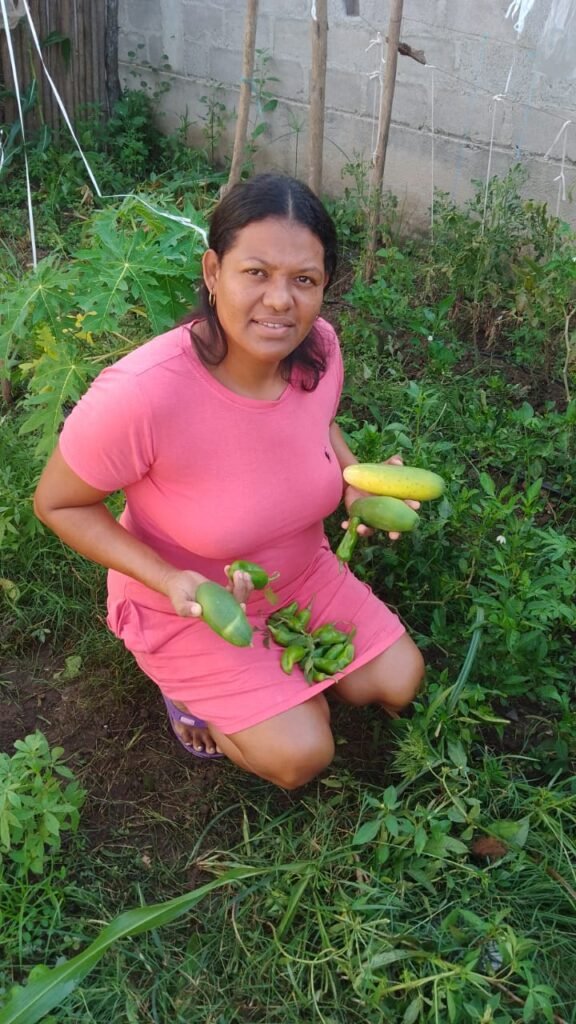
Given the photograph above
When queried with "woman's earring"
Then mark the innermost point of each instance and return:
(211, 299)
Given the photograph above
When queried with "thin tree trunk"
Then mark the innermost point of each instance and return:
(317, 95)
(245, 93)
(111, 55)
(385, 117)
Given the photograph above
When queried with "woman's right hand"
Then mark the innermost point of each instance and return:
(181, 586)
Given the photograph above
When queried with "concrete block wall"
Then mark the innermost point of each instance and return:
(473, 55)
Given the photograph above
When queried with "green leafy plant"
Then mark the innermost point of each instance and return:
(34, 806)
(136, 266)
(39, 801)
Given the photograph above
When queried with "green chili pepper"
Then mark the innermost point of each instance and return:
(346, 546)
(318, 677)
(292, 655)
(260, 578)
(328, 634)
(302, 617)
(257, 574)
(281, 615)
(324, 665)
(283, 635)
(345, 657)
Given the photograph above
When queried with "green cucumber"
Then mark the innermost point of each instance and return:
(221, 611)
(390, 514)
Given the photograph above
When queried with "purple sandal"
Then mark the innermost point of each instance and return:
(185, 718)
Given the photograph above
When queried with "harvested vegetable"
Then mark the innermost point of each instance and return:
(395, 481)
(319, 653)
(221, 611)
(260, 578)
(389, 514)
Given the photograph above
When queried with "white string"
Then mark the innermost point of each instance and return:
(22, 129)
(2, 155)
(560, 178)
(313, 14)
(556, 137)
(379, 74)
(432, 130)
(496, 99)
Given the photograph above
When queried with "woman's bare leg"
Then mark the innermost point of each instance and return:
(392, 679)
(288, 749)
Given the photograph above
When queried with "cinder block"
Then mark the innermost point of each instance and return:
(291, 38)
(412, 105)
(347, 46)
(292, 83)
(196, 60)
(234, 21)
(344, 90)
(225, 65)
(285, 8)
(476, 19)
(203, 22)
(465, 113)
(145, 15)
(131, 42)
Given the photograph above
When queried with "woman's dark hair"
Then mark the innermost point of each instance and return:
(266, 195)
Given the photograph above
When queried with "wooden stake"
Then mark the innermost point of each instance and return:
(238, 152)
(317, 95)
(113, 90)
(385, 117)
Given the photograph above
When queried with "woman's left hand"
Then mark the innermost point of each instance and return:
(352, 493)
(240, 586)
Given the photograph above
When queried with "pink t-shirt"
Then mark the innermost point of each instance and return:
(209, 475)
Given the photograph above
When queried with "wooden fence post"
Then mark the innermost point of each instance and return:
(250, 25)
(317, 95)
(385, 117)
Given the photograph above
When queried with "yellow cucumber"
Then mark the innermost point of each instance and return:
(394, 481)
(389, 514)
(221, 611)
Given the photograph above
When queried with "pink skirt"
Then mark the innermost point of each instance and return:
(237, 687)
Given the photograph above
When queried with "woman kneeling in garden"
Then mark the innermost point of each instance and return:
(222, 435)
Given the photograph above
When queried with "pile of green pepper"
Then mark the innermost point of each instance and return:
(319, 653)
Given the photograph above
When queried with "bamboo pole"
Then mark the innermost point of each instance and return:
(317, 95)
(385, 117)
(250, 25)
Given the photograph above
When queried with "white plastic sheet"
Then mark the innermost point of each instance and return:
(556, 53)
(556, 48)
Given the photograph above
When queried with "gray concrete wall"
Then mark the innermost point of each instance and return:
(470, 48)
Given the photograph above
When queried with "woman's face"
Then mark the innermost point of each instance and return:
(268, 288)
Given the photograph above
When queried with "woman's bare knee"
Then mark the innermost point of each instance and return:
(288, 749)
(392, 679)
(411, 679)
(301, 766)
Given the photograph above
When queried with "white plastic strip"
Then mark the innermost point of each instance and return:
(496, 100)
(556, 138)
(432, 131)
(6, 23)
(521, 8)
